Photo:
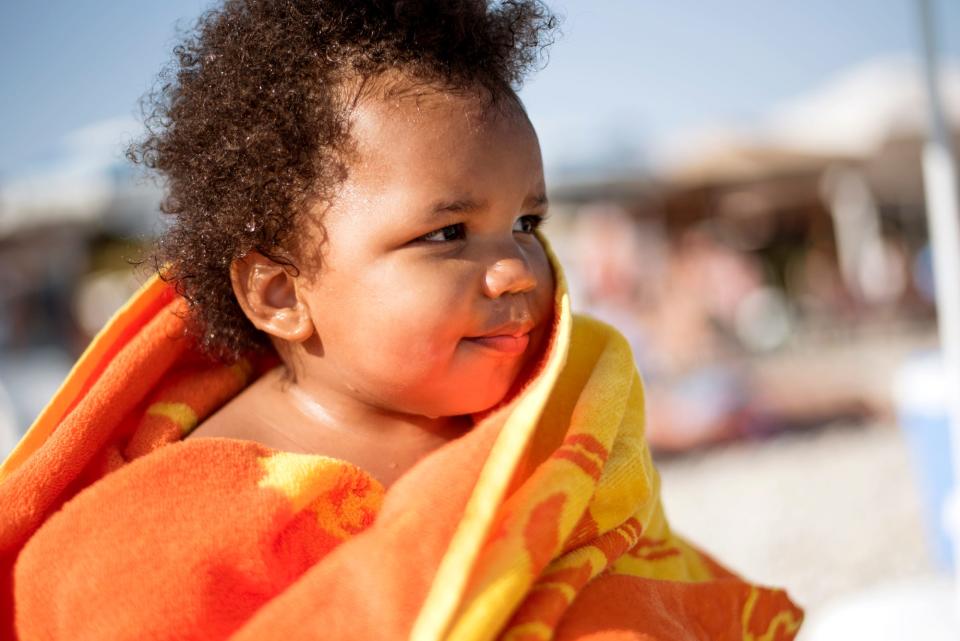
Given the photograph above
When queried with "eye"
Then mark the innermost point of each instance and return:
(527, 224)
(445, 234)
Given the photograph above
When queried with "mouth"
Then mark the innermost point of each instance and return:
(512, 338)
(505, 344)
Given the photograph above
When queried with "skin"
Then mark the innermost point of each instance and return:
(428, 242)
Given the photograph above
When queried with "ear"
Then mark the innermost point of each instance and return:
(267, 293)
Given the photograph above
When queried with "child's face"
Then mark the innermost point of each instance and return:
(428, 243)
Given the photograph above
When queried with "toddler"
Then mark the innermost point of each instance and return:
(354, 403)
(373, 183)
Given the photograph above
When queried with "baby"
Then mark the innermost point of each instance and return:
(394, 170)
(441, 450)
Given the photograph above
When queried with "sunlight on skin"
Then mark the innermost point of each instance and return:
(428, 245)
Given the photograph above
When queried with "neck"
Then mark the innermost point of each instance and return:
(325, 410)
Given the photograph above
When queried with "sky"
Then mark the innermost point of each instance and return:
(624, 76)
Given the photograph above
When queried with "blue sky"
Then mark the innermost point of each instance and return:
(625, 73)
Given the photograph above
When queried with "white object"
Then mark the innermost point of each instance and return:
(920, 609)
(940, 186)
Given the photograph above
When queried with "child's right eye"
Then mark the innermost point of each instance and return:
(445, 234)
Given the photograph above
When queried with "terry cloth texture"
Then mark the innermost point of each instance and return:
(542, 522)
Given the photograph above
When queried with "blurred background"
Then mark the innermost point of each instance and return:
(736, 186)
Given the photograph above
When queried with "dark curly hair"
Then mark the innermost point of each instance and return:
(247, 125)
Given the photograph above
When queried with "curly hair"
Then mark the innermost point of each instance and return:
(247, 126)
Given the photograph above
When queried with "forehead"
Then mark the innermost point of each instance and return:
(447, 136)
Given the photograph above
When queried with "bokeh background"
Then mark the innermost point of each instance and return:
(735, 185)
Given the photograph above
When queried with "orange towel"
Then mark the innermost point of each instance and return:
(543, 522)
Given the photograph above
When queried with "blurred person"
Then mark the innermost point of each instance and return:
(622, 267)
(706, 314)
(702, 394)
(669, 303)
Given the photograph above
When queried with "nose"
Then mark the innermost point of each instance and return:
(508, 276)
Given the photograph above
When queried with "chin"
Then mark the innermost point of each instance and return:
(475, 404)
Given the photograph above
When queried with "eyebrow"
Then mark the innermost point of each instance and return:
(468, 205)
(535, 200)
(460, 205)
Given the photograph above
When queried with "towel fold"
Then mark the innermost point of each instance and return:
(542, 522)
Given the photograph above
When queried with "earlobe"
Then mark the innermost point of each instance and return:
(267, 294)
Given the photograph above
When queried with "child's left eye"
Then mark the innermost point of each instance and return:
(528, 223)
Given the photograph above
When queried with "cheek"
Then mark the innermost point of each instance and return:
(412, 319)
(544, 294)
(545, 281)
(397, 336)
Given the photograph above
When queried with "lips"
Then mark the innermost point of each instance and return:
(509, 338)
(503, 344)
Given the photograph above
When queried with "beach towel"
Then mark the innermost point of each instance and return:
(542, 522)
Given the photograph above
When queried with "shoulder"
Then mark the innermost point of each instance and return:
(239, 417)
(197, 532)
